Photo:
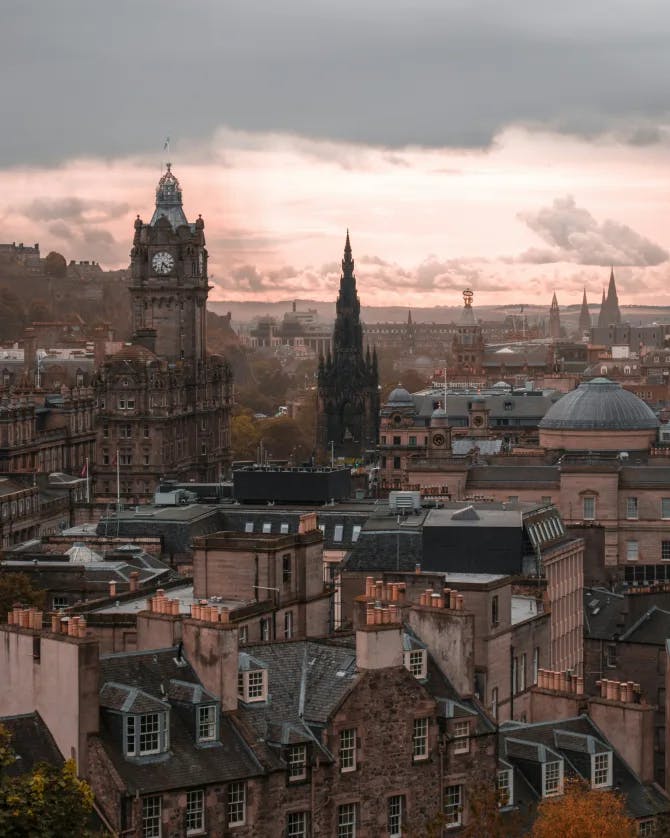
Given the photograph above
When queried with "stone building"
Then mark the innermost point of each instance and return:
(348, 380)
(164, 404)
(275, 739)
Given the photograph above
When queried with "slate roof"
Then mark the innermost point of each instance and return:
(603, 613)
(186, 764)
(388, 550)
(31, 741)
(600, 404)
(643, 800)
(652, 627)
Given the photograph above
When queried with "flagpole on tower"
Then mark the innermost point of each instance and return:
(88, 482)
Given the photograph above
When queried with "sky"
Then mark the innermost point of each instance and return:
(515, 148)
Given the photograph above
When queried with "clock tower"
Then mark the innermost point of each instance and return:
(169, 277)
(164, 403)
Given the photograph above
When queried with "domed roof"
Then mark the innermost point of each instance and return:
(599, 404)
(400, 396)
(439, 413)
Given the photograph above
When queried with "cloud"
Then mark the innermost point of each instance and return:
(572, 234)
(426, 73)
(74, 209)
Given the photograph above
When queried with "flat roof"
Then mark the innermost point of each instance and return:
(184, 594)
(469, 516)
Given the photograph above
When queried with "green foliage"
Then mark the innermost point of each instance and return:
(17, 588)
(49, 802)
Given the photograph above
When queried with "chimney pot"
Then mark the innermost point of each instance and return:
(112, 588)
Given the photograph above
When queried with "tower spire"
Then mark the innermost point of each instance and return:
(584, 324)
(554, 319)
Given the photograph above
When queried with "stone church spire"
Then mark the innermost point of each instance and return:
(554, 320)
(348, 397)
(584, 317)
(610, 314)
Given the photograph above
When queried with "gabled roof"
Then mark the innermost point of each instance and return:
(31, 741)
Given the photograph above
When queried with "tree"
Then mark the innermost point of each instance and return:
(48, 802)
(55, 264)
(17, 588)
(245, 436)
(583, 813)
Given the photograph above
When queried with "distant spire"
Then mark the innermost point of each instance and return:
(610, 315)
(409, 316)
(584, 316)
(554, 319)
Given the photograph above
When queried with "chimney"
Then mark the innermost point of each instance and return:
(449, 633)
(112, 588)
(211, 647)
(134, 583)
(379, 643)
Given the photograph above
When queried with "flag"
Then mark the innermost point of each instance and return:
(84, 471)
(166, 144)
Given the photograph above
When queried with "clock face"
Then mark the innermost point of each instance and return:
(163, 262)
(438, 439)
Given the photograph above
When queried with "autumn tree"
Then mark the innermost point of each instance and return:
(48, 802)
(17, 588)
(55, 264)
(245, 435)
(582, 812)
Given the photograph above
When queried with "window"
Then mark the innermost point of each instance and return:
(515, 675)
(646, 828)
(395, 807)
(288, 625)
(453, 806)
(632, 553)
(296, 825)
(461, 737)
(610, 655)
(244, 635)
(145, 431)
(130, 404)
(631, 508)
(195, 812)
(522, 673)
(504, 787)
(249, 526)
(396, 462)
(130, 735)
(267, 526)
(665, 508)
(151, 817)
(283, 528)
(265, 628)
(150, 728)
(286, 569)
(207, 723)
(346, 821)
(59, 602)
(348, 749)
(297, 762)
(665, 551)
(589, 508)
(601, 770)
(536, 663)
(415, 662)
(552, 778)
(495, 617)
(237, 804)
(494, 702)
(252, 685)
(420, 739)
(412, 442)
(396, 440)
(338, 532)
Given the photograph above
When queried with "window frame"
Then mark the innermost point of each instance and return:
(155, 829)
(298, 830)
(296, 767)
(453, 806)
(212, 724)
(556, 781)
(236, 801)
(592, 515)
(195, 811)
(507, 776)
(395, 814)
(348, 828)
(596, 770)
(416, 663)
(347, 750)
(461, 740)
(420, 730)
(632, 508)
(632, 550)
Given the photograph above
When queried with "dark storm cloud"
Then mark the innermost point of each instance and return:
(86, 78)
(572, 234)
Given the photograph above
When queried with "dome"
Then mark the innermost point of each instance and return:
(599, 405)
(439, 413)
(400, 397)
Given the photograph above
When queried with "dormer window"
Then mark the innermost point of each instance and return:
(416, 663)
(252, 685)
(552, 778)
(601, 770)
(207, 723)
(147, 734)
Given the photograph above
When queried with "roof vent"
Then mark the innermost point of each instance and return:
(468, 513)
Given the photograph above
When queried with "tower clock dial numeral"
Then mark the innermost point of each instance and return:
(162, 262)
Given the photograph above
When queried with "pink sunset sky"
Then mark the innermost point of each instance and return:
(514, 148)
